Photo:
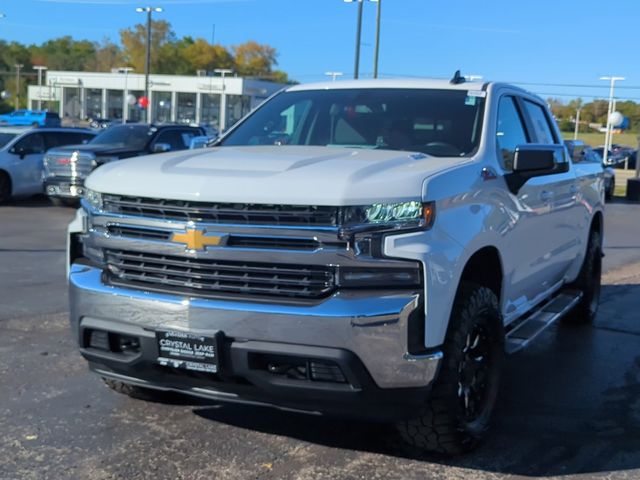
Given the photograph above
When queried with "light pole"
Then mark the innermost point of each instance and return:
(607, 136)
(39, 68)
(125, 112)
(577, 129)
(333, 75)
(356, 69)
(18, 67)
(223, 98)
(147, 63)
(377, 48)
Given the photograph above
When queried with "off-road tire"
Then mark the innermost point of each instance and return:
(444, 425)
(608, 193)
(589, 283)
(133, 391)
(5, 188)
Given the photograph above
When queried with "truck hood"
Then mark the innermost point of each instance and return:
(273, 175)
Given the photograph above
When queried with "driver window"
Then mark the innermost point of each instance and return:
(510, 132)
(33, 143)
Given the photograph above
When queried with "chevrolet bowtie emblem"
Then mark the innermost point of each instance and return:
(195, 239)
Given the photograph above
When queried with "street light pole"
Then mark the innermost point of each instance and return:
(18, 67)
(39, 68)
(223, 98)
(377, 48)
(356, 68)
(147, 63)
(607, 136)
(125, 112)
(575, 133)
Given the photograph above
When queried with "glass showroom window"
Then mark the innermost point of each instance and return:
(114, 104)
(72, 103)
(210, 109)
(237, 107)
(93, 98)
(186, 108)
(161, 107)
(135, 112)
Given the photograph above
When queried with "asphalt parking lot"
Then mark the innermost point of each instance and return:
(569, 406)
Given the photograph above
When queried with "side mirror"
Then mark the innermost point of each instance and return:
(161, 148)
(21, 152)
(199, 142)
(533, 160)
(529, 160)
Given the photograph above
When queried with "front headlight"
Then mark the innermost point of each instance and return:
(390, 215)
(93, 198)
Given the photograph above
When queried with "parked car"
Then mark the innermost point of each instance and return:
(613, 159)
(66, 168)
(100, 123)
(368, 248)
(33, 118)
(21, 153)
(581, 152)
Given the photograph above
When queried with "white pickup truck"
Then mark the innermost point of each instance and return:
(367, 248)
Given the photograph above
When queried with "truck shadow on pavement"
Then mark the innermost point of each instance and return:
(569, 405)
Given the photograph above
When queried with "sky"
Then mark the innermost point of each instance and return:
(542, 45)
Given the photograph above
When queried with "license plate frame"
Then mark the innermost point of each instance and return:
(188, 351)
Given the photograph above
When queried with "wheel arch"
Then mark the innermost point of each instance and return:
(8, 175)
(597, 223)
(484, 267)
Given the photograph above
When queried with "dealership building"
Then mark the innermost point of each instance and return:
(218, 101)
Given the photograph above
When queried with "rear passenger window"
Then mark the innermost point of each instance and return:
(541, 128)
(510, 131)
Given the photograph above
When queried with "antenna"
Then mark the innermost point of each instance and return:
(457, 78)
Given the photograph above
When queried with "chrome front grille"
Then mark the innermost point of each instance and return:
(68, 165)
(216, 278)
(234, 240)
(222, 213)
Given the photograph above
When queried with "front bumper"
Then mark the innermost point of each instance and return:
(365, 334)
(64, 187)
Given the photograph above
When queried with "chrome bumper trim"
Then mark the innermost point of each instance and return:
(372, 325)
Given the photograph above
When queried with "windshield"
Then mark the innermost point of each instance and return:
(436, 122)
(6, 138)
(129, 136)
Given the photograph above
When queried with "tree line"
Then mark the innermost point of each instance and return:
(592, 112)
(170, 55)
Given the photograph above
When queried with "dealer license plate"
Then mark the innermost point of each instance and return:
(189, 352)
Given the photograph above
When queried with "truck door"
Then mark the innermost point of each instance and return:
(528, 242)
(563, 189)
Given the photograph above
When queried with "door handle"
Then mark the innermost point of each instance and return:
(546, 196)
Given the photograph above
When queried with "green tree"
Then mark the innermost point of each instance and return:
(201, 55)
(65, 53)
(163, 53)
(108, 56)
(254, 59)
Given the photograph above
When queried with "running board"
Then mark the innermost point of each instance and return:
(541, 319)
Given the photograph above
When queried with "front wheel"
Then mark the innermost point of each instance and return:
(5, 188)
(457, 414)
(608, 194)
(589, 283)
